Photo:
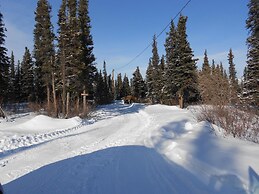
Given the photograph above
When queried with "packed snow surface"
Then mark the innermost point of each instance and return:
(129, 149)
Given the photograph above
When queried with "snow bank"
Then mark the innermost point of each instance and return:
(36, 130)
(42, 123)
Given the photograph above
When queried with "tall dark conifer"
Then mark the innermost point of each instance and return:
(126, 86)
(205, 79)
(27, 77)
(17, 83)
(162, 79)
(69, 54)
(138, 84)
(186, 70)
(99, 93)
(232, 78)
(205, 64)
(106, 84)
(4, 62)
(88, 66)
(118, 87)
(170, 88)
(44, 50)
(152, 74)
(11, 84)
(251, 91)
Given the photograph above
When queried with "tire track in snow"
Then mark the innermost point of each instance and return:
(15, 142)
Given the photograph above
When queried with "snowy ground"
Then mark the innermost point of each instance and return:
(124, 149)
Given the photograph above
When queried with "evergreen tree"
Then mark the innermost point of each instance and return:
(205, 79)
(138, 84)
(69, 54)
(251, 91)
(99, 94)
(27, 78)
(110, 92)
(118, 87)
(213, 66)
(152, 74)
(74, 63)
(88, 67)
(170, 88)
(186, 70)
(232, 78)
(206, 65)
(11, 84)
(44, 50)
(126, 86)
(220, 86)
(162, 80)
(4, 62)
(106, 90)
(17, 83)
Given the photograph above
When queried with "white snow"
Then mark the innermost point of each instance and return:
(127, 149)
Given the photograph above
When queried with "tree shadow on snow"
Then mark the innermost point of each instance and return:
(253, 181)
(207, 149)
(116, 170)
(205, 152)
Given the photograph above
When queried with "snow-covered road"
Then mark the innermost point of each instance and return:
(126, 149)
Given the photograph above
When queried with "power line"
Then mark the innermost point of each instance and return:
(156, 36)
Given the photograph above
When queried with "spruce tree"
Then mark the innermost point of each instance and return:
(12, 78)
(69, 54)
(75, 50)
(206, 65)
(99, 93)
(110, 92)
(232, 78)
(118, 87)
(170, 88)
(63, 40)
(4, 62)
(17, 83)
(186, 70)
(152, 75)
(138, 85)
(251, 91)
(205, 80)
(162, 80)
(88, 66)
(27, 77)
(44, 50)
(106, 90)
(126, 86)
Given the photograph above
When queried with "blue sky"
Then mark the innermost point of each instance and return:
(121, 29)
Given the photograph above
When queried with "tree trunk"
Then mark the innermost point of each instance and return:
(84, 104)
(48, 98)
(68, 105)
(54, 95)
(63, 90)
(77, 105)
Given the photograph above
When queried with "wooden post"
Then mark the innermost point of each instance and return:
(181, 103)
(84, 101)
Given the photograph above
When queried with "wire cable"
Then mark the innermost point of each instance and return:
(137, 56)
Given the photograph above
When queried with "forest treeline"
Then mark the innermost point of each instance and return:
(60, 73)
